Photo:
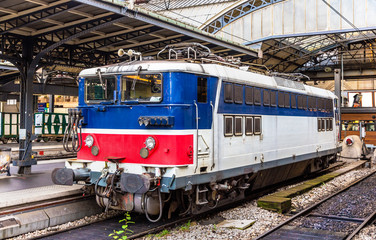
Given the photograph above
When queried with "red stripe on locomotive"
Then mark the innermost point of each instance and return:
(169, 149)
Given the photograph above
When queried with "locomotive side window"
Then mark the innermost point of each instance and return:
(315, 101)
(99, 89)
(287, 100)
(229, 98)
(319, 124)
(257, 95)
(238, 94)
(329, 105)
(311, 103)
(300, 101)
(228, 126)
(249, 95)
(266, 99)
(304, 102)
(202, 90)
(257, 125)
(330, 124)
(326, 105)
(281, 99)
(320, 104)
(293, 100)
(273, 98)
(238, 126)
(141, 88)
(248, 126)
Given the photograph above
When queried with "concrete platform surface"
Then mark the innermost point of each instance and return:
(40, 176)
(30, 195)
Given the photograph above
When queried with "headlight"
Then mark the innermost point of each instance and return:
(89, 141)
(150, 143)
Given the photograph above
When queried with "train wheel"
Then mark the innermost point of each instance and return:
(37, 140)
(4, 140)
(59, 139)
(46, 139)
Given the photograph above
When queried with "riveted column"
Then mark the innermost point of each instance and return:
(26, 111)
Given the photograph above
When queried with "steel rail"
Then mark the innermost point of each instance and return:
(311, 208)
(368, 220)
(254, 195)
(42, 204)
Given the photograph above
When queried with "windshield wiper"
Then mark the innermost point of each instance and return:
(101, 80)
(107, 103)
(134, 101)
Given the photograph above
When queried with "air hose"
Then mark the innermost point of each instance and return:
(73, 131)
(160, 208)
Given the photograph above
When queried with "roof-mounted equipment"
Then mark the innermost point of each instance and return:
(186, 50)
(133, 55)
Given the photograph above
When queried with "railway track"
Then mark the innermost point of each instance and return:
(42, 204)
(340, 216)
(142, 227)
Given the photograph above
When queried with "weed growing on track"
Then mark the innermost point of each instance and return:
(186, 226)
(163, 233)
(122, 234)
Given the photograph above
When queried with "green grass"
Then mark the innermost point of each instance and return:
(186, 226)
(163, 233)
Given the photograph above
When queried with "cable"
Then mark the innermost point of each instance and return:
(73, 130)
(160, 208)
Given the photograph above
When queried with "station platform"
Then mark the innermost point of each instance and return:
(40, 149)
(40, 176)
(32, 202)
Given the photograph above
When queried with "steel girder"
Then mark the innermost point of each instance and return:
(170, 25)
(301, 52)
(118, 39)
(40, 88)
(236, 13)
(34, 17)
(88, 53)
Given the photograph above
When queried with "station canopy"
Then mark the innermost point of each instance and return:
(68, 36)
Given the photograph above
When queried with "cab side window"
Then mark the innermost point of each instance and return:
(202, 90)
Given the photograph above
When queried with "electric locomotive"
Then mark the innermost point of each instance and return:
(192, 132)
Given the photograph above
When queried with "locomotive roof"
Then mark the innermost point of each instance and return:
(224, 72)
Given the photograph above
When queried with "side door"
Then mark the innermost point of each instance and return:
(206, 90)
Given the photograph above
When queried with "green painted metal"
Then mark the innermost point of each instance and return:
(10, 123)
(50, 124)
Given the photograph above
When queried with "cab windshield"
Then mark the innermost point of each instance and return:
(142, 88)
(99, 89)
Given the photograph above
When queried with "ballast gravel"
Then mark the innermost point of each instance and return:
(68, 225)
(265, 220)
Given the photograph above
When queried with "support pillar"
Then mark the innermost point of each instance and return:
(337, 92)
(26, 111)
(51, 103)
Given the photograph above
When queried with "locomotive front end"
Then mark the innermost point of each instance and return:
(129, 134)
